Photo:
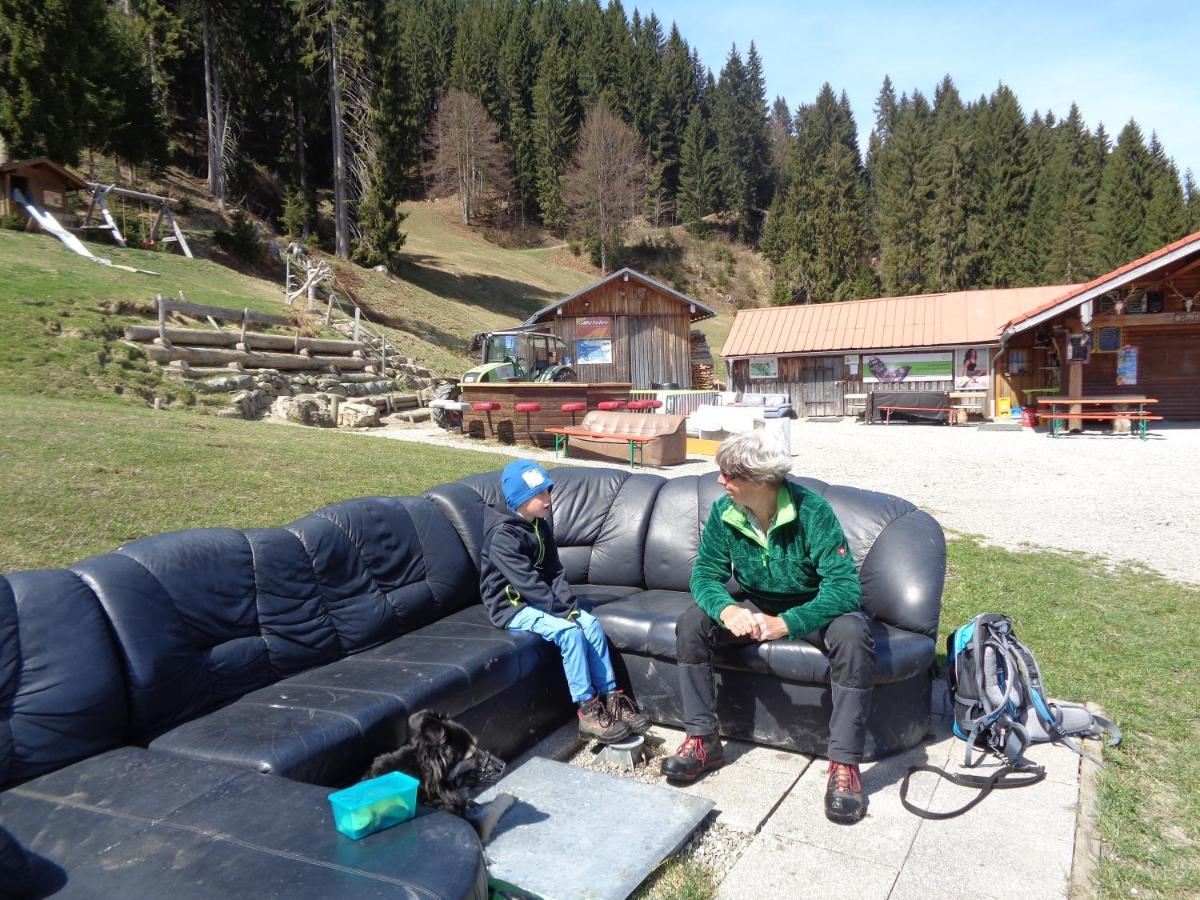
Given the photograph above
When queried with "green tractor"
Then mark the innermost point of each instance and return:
(512, 355)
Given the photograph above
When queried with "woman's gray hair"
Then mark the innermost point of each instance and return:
(754, 456)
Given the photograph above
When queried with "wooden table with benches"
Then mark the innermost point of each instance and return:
(1101, 408)
(562, 441)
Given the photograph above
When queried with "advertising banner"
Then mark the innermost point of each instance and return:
(1127, 365)
(764, 367)
(894, 368)
(971, 369)
(593, 327)
(593, 353)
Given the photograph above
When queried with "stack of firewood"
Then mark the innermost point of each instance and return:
(702, 362)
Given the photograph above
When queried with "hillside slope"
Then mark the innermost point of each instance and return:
(62, 313)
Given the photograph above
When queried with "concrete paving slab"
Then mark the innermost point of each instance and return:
(613, 830)
(1015, 865)
(886, 834)
(748, 787)
(777, 866)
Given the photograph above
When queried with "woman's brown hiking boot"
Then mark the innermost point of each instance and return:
(597, 723)
(845, 802)
(695, 756)
(621, 706)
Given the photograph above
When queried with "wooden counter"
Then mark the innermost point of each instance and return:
(509, 427)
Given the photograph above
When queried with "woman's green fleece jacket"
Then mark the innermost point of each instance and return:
(803, 572)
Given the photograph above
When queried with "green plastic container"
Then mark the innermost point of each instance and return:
(374, 805)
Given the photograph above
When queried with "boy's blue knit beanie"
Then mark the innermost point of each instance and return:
(521, 480)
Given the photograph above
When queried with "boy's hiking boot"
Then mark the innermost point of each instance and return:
(695, 756)
(845, 802)
(623, 708)
(597, 723)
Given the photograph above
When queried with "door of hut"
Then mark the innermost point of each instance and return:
(822, 387)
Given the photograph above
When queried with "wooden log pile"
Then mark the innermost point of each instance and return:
(702, 362)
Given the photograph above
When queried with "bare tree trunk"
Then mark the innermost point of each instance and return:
(341, 215)
(216, 114)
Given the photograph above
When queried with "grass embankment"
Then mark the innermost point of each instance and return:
(81, 478)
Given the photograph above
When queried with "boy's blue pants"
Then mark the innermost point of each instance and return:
(582, 644)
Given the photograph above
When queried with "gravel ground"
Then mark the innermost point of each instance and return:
(1116, 497)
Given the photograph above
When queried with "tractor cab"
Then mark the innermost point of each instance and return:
(519, 356)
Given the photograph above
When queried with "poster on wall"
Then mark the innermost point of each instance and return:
(764, 368)
(894, 368)
(971, 369)
(593, 353)
(593, 327)
(1127, 365)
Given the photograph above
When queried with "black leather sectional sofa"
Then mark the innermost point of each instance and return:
(173, 713)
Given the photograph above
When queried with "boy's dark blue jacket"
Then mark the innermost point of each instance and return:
(519, 566)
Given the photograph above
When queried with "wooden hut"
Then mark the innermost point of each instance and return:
(1132, 331)
(626, 327)
(42, 181)
(828, 357)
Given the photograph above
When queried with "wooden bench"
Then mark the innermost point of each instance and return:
(888, 410)
(1056, 420)
(562, 440)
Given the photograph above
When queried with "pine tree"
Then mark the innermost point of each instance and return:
(1166, 208)
(1045, 200)
(739, 122)
(1122, 200)
(1003, 185)
(675, 95)
(950, 262)
(554, 127)
(1075, 167)
(1192, 199)
(904, 196)
(817, 234)
(699, 170)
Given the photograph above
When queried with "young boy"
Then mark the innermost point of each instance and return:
(523, 588)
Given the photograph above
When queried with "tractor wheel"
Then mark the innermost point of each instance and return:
(565, 373)
(449, 419)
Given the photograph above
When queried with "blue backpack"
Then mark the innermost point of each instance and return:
(1001, 707)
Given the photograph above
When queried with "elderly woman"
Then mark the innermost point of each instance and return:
(787, 551)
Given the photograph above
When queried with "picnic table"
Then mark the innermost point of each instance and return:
(562, 440)
(1103, 408)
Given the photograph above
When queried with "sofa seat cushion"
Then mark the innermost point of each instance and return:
(591, 596)
(644, 624)
(134, 823)
(325, 725)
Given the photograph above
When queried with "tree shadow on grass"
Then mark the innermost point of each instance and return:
(492, 292)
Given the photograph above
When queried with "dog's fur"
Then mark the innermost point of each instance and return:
(445, 758)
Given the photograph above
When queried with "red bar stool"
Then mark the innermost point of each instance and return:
(487, 407)
(644, 406)
(611, 405)
(573, 408)
(528, 408)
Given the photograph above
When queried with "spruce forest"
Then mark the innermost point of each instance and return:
(310, 112)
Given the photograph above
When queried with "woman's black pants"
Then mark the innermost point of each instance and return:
(846, 641)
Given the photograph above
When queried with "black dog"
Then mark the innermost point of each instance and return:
(449, 763)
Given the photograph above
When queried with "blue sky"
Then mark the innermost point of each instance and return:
(1115, 59)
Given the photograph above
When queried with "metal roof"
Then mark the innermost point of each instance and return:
(702, 311)
(884, 323)
(1080, 293)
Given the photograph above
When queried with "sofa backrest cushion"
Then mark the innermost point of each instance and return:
(899, 550)
(632, 423)
(600, 518)
(62, 692)
(207, 615)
